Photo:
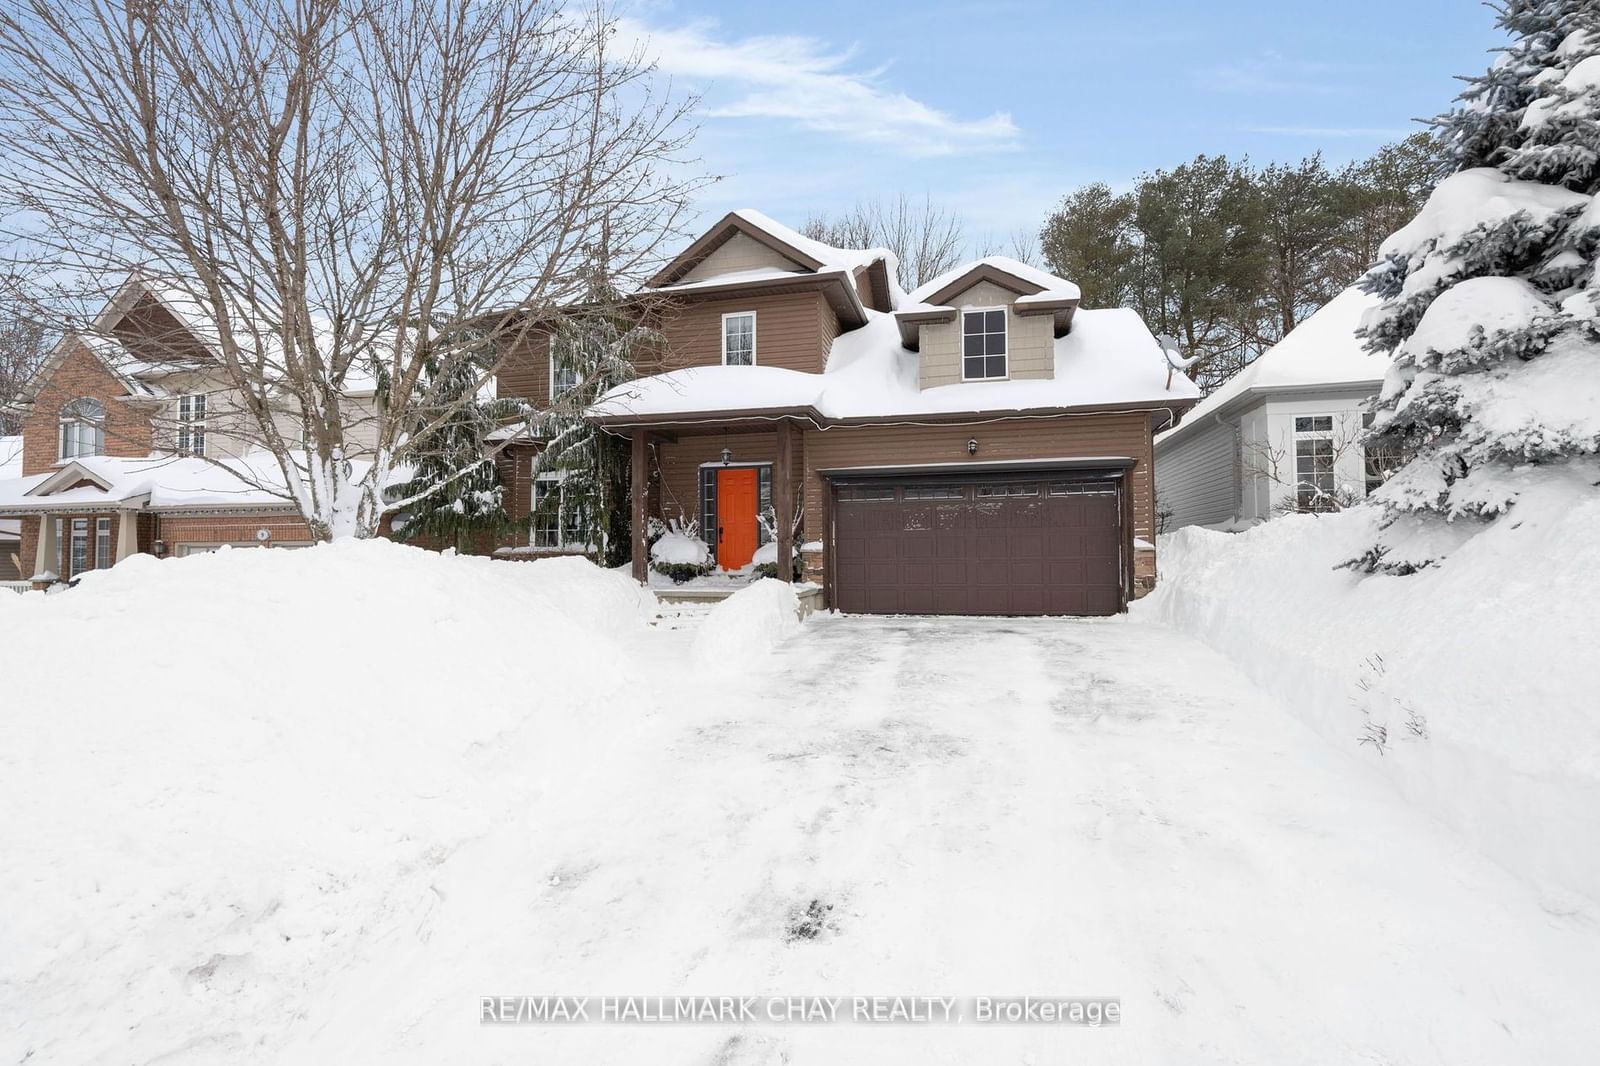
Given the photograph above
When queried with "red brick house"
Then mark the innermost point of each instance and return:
(132, 441)
(978, 446)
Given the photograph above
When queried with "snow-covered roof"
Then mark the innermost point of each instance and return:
(157, 482)
(1051, 287)
(1321, 351)
(1109, 358)
(810, 256)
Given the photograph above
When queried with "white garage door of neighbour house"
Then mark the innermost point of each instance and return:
(183, 550)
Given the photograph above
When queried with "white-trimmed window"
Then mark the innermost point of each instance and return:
(192, 424)
(80, 546)
(563, 372)
(739, 339)
(83, 428)
(1313, 461)
(983, 344)
(547, 511)
(102, 543)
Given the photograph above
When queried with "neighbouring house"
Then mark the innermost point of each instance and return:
(1284, 434)
(134, 441)
(978, 446)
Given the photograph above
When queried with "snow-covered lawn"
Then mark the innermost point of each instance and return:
(333, 862)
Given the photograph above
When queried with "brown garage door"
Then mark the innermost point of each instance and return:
(1030, 545)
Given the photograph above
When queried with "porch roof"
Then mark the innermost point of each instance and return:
(156, 482)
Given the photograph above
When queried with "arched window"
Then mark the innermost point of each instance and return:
(83, 428)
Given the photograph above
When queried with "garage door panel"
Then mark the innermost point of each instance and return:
(1022, 546)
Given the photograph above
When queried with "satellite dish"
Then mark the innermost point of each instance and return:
(263, 535)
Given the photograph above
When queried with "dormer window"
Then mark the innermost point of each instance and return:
(739, 339)
(83, 428)
(983, 344)
(192, 424)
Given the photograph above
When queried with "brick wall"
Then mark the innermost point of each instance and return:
(81, 375)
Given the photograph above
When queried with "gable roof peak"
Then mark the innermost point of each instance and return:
(808, 253)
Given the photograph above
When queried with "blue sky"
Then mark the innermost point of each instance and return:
(996, 109)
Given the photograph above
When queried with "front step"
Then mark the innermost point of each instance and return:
(681, 615)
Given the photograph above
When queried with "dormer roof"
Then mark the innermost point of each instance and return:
(1038, 292)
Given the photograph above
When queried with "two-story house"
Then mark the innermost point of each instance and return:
(978, 446)
(133, 440)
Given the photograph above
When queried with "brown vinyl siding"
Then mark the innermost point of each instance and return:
(789, 331)
(677, 494)
(525, 373)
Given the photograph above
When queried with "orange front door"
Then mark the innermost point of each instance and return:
(736, 517)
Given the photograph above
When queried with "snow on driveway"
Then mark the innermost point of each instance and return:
(996, 807)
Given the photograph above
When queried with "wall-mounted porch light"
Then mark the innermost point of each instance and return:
(727, 456)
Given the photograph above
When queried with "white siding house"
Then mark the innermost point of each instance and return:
(1283, 433)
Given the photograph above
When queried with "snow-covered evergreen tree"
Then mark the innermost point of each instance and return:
(455, 488)
(595, 347)
(1492, 304)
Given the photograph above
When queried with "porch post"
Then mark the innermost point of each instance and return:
(127, 534)
(45, 556)
(783, 502)
(641, 505)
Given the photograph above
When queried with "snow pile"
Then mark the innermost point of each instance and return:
(248, 769)
(745, 627)
(1470, 683)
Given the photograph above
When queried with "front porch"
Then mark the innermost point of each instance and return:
(735, 482)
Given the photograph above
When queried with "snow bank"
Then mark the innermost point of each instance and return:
(748, 624)
(249, 766)
(1474, 677)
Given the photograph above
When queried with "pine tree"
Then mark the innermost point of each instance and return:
(597, 346)
(1491, 309)
(459, 496)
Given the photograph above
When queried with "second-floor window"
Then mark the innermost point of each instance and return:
(739, 339)
(192, 424)
(83, 428)
(983, 344)
(563, 372)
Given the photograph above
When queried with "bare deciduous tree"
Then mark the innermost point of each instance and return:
(22, 347)
(926, 239)
(349, 193)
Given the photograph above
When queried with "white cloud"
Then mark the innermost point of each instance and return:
(800, 80)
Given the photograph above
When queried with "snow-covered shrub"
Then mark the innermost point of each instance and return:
(679, 553)
(766, 561)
